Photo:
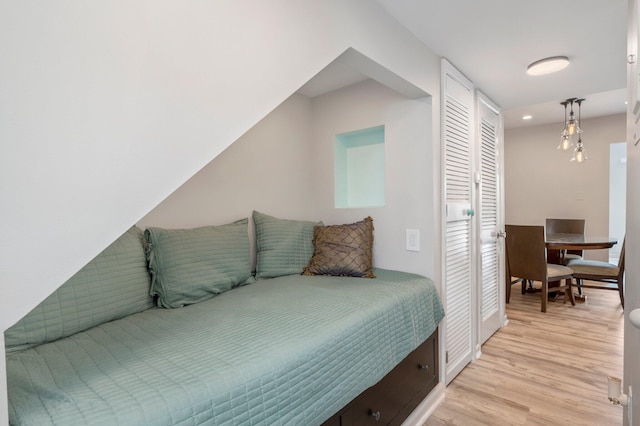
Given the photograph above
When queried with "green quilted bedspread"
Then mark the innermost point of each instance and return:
(285, 351)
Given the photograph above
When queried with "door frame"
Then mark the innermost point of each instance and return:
(484, 102)
(450, 369)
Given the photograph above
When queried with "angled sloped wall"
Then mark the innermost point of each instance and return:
(111, 107)
(106, 108)
(266, 169)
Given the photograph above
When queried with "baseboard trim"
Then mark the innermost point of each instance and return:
(426, 407)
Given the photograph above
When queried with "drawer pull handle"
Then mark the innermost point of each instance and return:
(423, 367)
(375, 414)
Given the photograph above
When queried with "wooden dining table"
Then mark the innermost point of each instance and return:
(578, 242)
(558, 244)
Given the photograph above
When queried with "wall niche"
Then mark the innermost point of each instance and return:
(359, 168)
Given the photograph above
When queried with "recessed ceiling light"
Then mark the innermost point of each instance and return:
(548, 65)
(527, 117)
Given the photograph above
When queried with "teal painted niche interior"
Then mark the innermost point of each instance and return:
(359, 168)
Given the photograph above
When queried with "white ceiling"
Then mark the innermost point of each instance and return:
(493, 41)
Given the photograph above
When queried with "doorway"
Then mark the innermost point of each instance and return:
(617, 196)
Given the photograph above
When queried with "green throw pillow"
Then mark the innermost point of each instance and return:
(191, 265)
(112, 285)
(284, 246)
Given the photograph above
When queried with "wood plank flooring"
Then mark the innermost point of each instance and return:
(543, 369)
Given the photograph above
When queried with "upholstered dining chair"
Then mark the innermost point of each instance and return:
(565, 226)
(609, 275)
(526, 257)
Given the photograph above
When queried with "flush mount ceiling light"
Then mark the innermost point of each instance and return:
(548, 65)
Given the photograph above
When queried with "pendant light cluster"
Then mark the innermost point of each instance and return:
(572, 128)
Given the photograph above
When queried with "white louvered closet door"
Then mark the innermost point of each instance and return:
(457, 111)
(489, 217)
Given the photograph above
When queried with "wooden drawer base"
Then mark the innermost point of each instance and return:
(392, 399)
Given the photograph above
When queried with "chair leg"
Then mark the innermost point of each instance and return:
(621, 292)
(579, 285)
(545, 295)
(508, 283)
(570, 291)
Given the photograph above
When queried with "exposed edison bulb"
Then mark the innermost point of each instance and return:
(578, 154)
(565, 143)
(571, 127)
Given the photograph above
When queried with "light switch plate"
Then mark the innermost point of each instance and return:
(413, 240)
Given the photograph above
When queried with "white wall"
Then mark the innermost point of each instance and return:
(632, 266)
(409, 165)
(284, 167)
(540, 182)
(4, 409)
(112, 106)
(267, 169)
(617, 194)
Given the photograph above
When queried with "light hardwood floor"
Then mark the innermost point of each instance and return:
(543, 369)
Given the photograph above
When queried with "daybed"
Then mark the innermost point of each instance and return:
(289, 349)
